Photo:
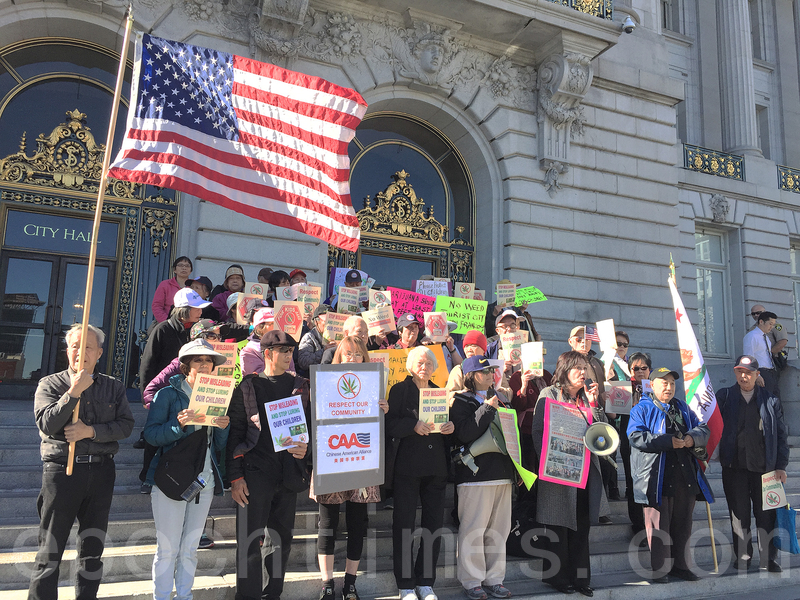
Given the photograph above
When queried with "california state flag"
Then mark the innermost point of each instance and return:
(699, 393)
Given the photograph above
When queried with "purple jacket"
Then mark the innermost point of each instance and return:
(220, 302)
(161, 381)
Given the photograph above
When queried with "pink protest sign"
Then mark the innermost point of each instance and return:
(404, 302)
(565, 459)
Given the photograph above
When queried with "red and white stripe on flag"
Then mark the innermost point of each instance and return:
(252, 137)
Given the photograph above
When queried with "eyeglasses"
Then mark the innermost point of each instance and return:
(622, 344)
(352, 355)
(283, 349)
(640, 369)
(756, 313)
(214, 337)
(487, 371)
(509, 327)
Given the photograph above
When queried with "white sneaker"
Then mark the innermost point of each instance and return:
(408, 595)
(425, 592)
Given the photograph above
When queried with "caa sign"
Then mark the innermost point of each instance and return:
(356, 440)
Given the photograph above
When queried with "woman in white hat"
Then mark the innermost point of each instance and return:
(179, 524)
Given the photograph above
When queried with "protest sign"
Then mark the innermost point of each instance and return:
(334, 326)
(607, 335)
(773, 495)
(348, 300)
(289, 318)
(363, 296)
(532, 355)
(506, 294)
(210, 398)
(404, 302)
(256, 289)
(369, 282)
(508, 422)
(287, 422)
(479, 294)
(310, 296)
(619, 397)
(379, 319)
(433, 288)
(565, 458)
(244, 304)
(498, 371)
(231, 354)
(511, 343)
(348, 426)
(646, 387)
(287, 292)
(463, 289)
(528, 295)
(433, 407)
(395, 363)
(336, 279)
(436, 326)
(377, 297)
(468, 314)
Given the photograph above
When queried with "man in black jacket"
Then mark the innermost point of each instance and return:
(754, 442)
(264, 483)
(104, 418)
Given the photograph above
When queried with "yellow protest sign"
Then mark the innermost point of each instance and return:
(395, 364)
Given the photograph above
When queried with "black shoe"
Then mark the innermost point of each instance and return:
(140, 443)
(586, 591)
(328, 593)
(662, 579)
(350, 593)
(205, 543)
(684, 574)
(613, 494)
(146, 488)
(564, 589)
(606, 521)
(774, 567)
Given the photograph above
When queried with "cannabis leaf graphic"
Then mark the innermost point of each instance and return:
(349, 386)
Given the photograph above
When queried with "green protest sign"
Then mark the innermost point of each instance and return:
(529, 295)
(508, 421)
(468, 314)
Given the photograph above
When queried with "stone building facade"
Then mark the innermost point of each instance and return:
(569, 154)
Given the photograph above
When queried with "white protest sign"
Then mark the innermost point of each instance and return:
(772, 493)
(287, 422)
(533, 358)
(348, 447)
(347, 395)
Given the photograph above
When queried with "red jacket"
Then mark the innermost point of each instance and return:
(163, 298)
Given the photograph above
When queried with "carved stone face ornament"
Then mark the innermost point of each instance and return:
(430, 58)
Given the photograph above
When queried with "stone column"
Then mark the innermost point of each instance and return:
(739, 130)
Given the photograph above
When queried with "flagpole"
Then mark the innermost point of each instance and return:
(101, 191)
(708, 506)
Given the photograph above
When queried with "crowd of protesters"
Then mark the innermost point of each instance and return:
(659, 442)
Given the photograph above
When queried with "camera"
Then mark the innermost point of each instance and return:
(628, 25)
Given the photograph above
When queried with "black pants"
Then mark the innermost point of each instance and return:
(770, 377)
(743, 488)
(356, 516)
(635, 510)
(407, 491)
(260, 570)
(571, 548)
(86, 494)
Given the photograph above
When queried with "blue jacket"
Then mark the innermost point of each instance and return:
(163, 430)
(773, 426)
(649, 445)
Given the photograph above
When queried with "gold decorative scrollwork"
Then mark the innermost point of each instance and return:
(400, 213)
(789, 179)
(160, 223)
(598, 8)
(712, 162)
(69, 158)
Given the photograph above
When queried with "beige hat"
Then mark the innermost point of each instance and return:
(576, 330)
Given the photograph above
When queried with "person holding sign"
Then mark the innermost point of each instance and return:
(753, 443)
(180, 523)
(351, 350)
(265, 483)
(416, 473)
(313, 344)
(251, 357)
(569, 511)
(484, 497)
(667, 477)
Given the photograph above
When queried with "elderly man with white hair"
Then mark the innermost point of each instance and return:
(356, 326)
(104, 418)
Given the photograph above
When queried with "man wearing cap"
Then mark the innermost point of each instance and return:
(667, 477)
(758, 344)
(263, 275)
(265, 483)
(297, 276)
(202, 285)
(753, 442)
(313, 344)
(104, 419)
(507, 321)
(351, 279)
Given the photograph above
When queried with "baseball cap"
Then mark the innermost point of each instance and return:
(321, 310)
(746, 362)
(232, 300)
(576, 330)
(297, 272)
(352, 276)
(200, 348)
(203, 326)
(663, 372)
(263, 315)
(276, 338)
(473, 336)
(202, 279)
(265, 272)
(476, 363)
(507, 312)
(233, 270)
(188, 297)
(406, 320)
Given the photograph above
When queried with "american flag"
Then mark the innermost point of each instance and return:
(263, 141)
(590, 333)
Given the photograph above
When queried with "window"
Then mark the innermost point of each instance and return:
(762, 126)
(757, 29)
(671, 15)
(794, 263)
(711, 263)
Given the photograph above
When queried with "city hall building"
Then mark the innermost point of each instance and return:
(574, 145)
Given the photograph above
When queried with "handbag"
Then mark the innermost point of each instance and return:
(786, 530)
(178, 467)
(780, 360)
